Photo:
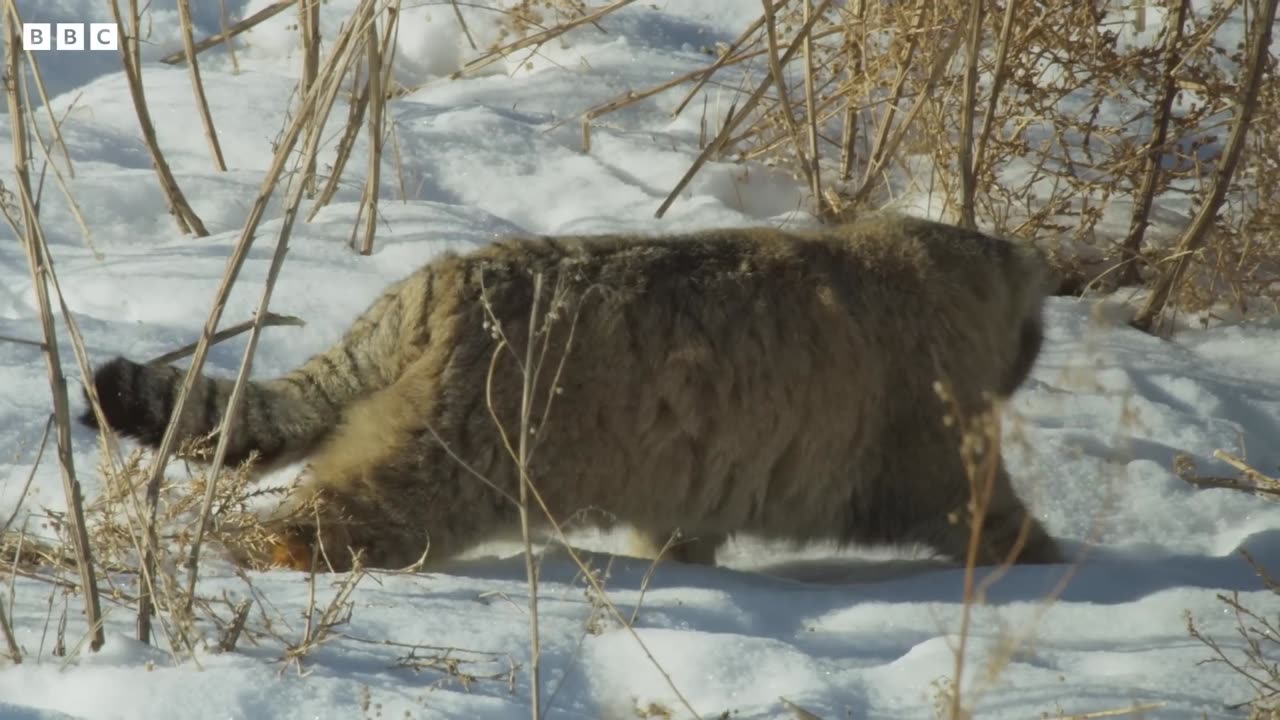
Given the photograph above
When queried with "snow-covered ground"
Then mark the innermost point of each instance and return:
(861, 634)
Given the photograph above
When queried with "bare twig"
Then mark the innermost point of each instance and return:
(188, 221)
(998, 78)
(530, 566)
(633, 96)
(72, 205)
(530, 375)
(271, 320)
(1193, 237)
(44, 439)
(18, 340)
(202, 103)
(799, 712)
(727, 58)
(355, 116)
(876, 158)
(1138, 709)
(784, 100)
(1251, 480)
(321, 628)
(536, 39)
(227, 643)
(968, 108)
(814, 173)
(1132, 244)
(883, 151)
(462, 23)
(54, 126)
(378, 103)
(231, 47)
(717, 144)
(309, 27)
(226, 35)
(38, 263)
(15, 651)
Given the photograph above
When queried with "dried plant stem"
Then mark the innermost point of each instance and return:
(811, 114)
(462, 23)
(784, 100)
(15, 651)
(9, 338)
(188, 44)
(188, 221)
(334, 69)
(309, 26)
(231, 47)
(54, 126)
(522, 445)
(530, 377)
(31, 476)
(57, 383)
(227, 643)
(881, 140)
(855, 69)
(72, 205)
(797, 711)
(968, 108)
(725, 59)
(604, 598)
(717, 144)
(1132, 244)
(634, 96)
(1193, 237)
(320, 95)
(1251, 480)
(883, 151)
(536, 39)
(271, 320)
(998, 78)
(378, 104)
(981, 479)
(1138, 710)
(226, 35)
(355, 117)
(234, 399)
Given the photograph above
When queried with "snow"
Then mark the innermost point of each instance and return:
(866, 633)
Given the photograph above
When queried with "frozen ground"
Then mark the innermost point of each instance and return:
(851, 635)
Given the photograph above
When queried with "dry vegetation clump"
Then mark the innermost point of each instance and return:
(1003, 113)
(1048, 120)
(1255, 652)
(116, 522)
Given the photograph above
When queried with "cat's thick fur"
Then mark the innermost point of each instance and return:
(778, 383)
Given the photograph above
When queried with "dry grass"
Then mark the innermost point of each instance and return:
(27, 227)
(1257, 647)
(864, 101)
(1012, 133)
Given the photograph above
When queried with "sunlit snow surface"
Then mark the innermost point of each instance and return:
(1090, 440)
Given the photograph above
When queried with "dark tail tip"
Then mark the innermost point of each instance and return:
(136, 399)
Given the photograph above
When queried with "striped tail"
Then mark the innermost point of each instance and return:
(280, 419)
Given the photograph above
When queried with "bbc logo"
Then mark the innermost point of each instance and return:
(70, 36)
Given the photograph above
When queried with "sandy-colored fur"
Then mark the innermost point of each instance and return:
(779, 383)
